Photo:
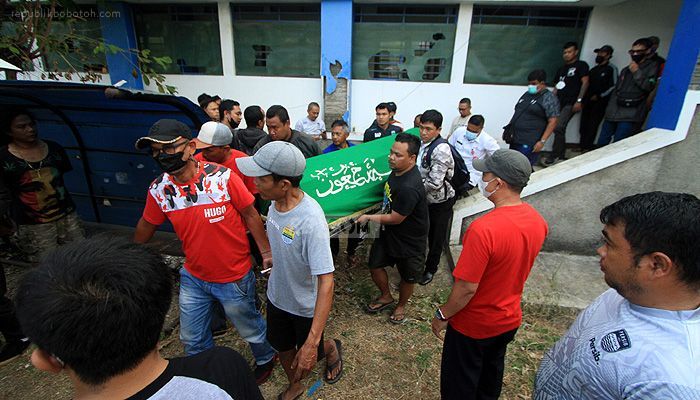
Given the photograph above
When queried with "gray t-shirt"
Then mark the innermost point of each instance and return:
(300, 251)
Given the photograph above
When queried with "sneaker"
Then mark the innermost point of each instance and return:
(13, 350)
(263, 372)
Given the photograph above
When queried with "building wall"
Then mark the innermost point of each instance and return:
(618, 25)
(572, 208)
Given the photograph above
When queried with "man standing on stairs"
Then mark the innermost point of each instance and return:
(483, 310)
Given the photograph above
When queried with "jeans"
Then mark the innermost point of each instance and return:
(526, 151)
(615, 131)
(238, 300)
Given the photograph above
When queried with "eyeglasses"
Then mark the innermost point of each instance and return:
(168, 148)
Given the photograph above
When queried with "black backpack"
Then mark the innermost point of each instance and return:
(460, 178)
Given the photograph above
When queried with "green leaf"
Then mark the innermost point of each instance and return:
(146, 80)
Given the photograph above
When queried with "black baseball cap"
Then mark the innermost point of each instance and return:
(165, 131)
(606, 48)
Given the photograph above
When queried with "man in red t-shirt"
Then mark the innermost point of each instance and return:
(214, 140)
(483, 311)
(210, 210)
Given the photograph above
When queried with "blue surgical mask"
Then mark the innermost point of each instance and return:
(532, 89)
(471, 136)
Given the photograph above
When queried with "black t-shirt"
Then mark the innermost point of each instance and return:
(37, 188)
(217, 373)
(571, 75)
(601, 79)
(405, 194)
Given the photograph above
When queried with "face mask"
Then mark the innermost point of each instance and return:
(482, 188)
(471, 136)
(532, 89)
(599, 59)
(637, 58)
(170, 162)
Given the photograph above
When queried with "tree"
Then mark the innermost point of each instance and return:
(51, 30)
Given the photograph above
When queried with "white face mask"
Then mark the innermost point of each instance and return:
(482, 188)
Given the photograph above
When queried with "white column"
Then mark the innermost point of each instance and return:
(459, 56)
(226, 37)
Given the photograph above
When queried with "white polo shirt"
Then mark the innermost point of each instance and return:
(310, 127)
(473, 149)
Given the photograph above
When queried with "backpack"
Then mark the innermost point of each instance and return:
(460, 178)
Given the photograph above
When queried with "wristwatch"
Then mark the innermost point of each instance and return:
(543, 141)
(439, 315)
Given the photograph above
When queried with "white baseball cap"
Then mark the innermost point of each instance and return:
(213, 134)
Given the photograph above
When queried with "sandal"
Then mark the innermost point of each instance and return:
(331, 367)
(397, 319)
(375, 302)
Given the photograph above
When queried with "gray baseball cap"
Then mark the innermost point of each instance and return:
(509, 165)
(281, 158)
(213, 134)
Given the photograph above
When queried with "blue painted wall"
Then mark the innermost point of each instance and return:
(119, 31)
(336, 42)
(682, 56)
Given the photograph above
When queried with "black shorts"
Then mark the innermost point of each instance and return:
(410, 268)
(286, 331)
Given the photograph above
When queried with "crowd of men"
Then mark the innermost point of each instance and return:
(636, 340)
(620, 101)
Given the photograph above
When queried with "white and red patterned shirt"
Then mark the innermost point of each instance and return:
(205, 213)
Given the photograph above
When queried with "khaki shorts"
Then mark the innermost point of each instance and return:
(36, 240)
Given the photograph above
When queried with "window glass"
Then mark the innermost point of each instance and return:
(277, 40)
(188, 34)
(506, 43)
(403, 43)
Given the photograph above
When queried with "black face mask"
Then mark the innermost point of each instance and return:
(170, 162)
(637, 58)
(599, 59)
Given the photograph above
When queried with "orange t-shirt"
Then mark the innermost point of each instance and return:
(498, 252)
(205, 213)
(248, 181)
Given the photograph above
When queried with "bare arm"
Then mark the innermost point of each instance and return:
(254, 223)
(385, 219)
(551, 124)
(144, 231)
(307, 354)
(584, 87)
(462, 292)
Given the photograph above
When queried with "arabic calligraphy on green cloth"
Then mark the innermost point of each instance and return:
(346, 181)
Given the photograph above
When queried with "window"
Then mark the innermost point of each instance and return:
(277, 39)
(188, 34)
(412, 43)
(506, 43)
(75, 32)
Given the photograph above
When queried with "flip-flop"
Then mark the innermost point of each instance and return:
(331, 367)
(374, 310)
(399, 321)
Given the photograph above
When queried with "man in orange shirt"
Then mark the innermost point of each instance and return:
(483, 311)
(214, 140)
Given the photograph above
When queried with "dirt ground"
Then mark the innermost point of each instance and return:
(382, 360)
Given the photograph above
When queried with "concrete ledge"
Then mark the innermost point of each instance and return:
(585, 164)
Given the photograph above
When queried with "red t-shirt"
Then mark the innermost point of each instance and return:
(248, 181)
(206, 218)
(497, 253)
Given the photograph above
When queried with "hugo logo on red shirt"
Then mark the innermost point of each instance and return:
(214, 212)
